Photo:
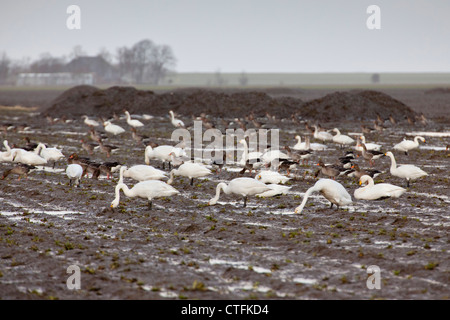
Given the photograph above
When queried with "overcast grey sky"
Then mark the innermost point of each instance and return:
(242, 35)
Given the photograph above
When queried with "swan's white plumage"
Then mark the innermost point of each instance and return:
(407, 145)
(142, 172)
(133, 122)
(322, 135)
(307, 146)
(342, 139)
(405, 171)
(74, 172)
(190, 170)
(268, 176)
(113, 128)
(241, 186)
(332, 190)
(275, 190)
(374, 191)
(176, 122)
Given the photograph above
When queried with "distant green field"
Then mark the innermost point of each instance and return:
(308, 79)
(292, 80)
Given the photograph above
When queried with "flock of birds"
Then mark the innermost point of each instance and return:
(267, 182)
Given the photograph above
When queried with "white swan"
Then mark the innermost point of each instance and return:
(241, 186)
(332, 190)
(369, 146)
(27, 157)
(307, 145)
(90, 122)
(113, 128)
(149, 189)
(74, 172)
(142, 172)
(49, 154)
(270, 155)
(276, 190)
(7, 156)
(407, 145)
(133, 122)
(268, 176)
(160, 153)
(190, 170)
(342, 139)
(405, 171)
(376, 191)
(176, 122)
(251, 156)
(322, 135)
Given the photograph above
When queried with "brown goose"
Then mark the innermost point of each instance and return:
(21, 170)
(329, 170)
(358, 172)
(106, 148)
(370, 155)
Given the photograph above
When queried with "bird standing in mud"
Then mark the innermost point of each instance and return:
(21, 170)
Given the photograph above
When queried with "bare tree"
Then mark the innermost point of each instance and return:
(77, 51)
(47, 63)
(162, 60)
(243, 79)
(145, 62)
(105, 54)
(5, 63)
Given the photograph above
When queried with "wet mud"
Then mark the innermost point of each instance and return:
(185, 249)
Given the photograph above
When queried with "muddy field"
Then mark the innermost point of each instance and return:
(185, 249)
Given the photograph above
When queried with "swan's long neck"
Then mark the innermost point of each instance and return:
(128, 192)
(5, 143)
(148, 150)
(171, 176)
(307, 143)
(245, 154)
(39, 148)
(172, 115)
(305, 198)
(221, 186)
(122, 170)
(299, 139)
(393, 162)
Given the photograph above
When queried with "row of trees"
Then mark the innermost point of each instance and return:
(143, 63)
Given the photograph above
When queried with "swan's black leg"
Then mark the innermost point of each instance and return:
(149, 205)
(407, 183)
(245, 201)
(331, 207)
(192, 181)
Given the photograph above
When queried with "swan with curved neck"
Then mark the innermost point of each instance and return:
(407, 145)
(27, 157)
(160, 152)
(373, 191)
(133, 122)
(333, 191)
(405, 171)
(190, 170)
(49, 154)
(142, 172)
(176, 122)
(322, 135)
(113, 128)
(342, 139)
(149, 189)
(307, 145)
(252, 157)
(244, 187)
